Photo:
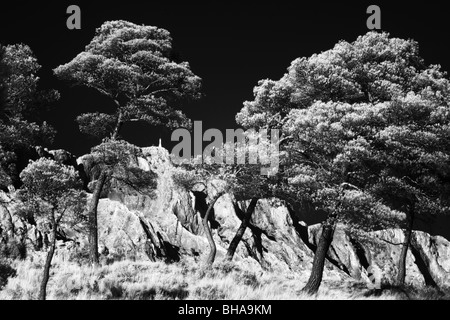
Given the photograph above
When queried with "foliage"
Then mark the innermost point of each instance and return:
(13, 249)
(241, 176)
(121, 160)
(22, 103)
(374, 68)
(6, 271)
(133, 66)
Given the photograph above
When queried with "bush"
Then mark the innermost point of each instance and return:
(6, 271)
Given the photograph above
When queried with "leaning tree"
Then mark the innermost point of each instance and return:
(133, 66)
(366, 119)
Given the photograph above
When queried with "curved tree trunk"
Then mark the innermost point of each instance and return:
(401, 276)
(315, 279)
(212, 244)
(92, 216)
(240, 232)
(48, 263)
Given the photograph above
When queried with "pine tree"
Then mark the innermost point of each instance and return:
(364, 120)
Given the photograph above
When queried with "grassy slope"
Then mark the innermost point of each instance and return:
(243, 280)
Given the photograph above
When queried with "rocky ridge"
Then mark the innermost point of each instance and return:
(167, 225)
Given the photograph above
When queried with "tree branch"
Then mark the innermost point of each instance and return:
(392, 243)
(160, 90)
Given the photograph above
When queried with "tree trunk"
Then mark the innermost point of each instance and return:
(315, 279)
(240, 232)
(119, 124)
(48, 262)
(403, 254)
(92, 216)
(212, 245)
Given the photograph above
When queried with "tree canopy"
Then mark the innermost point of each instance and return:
(360, 114)
(132, 65)
(374, 68)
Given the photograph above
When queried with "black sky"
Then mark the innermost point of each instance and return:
(230, 45)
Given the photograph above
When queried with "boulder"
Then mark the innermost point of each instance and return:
(166, 223)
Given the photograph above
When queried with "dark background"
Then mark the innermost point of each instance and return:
(230, 45)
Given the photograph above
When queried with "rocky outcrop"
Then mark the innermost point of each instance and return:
(275, 238)
(381, 250)
(175, 216)
(166, 224)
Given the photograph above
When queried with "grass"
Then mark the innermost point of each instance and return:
(133, 280)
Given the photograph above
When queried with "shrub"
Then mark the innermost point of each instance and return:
(6, 271)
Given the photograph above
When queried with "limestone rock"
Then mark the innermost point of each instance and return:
(120, 230)
(435, 255)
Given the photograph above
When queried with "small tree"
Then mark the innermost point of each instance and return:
(52, 193)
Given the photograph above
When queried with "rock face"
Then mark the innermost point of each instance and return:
(166, 224)
(120, 231)
(355, 256)
(427, 262)
(174, 214)
(275, 239)
(434, 254)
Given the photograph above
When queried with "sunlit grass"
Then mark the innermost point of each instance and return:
(132, 280)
